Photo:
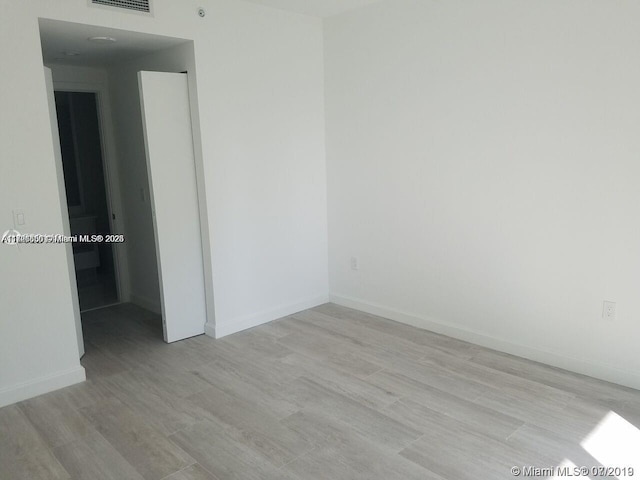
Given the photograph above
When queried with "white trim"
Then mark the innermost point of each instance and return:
(205, 235)
(222, 329)
(76, 209)
(64, 211)
(210, 329)
(146, 303)
(108, 305)
(39, 386)
(601, 371)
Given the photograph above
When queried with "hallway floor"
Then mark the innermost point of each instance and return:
(329, 393)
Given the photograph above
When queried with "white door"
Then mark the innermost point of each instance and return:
(166, 116)
(66, 229)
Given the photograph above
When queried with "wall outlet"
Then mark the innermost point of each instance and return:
(355, 264)
(608, 310)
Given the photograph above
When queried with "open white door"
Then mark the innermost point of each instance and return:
(166, 117)
(66, 229)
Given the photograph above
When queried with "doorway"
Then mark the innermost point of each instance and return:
(149, 172)
(87, 196)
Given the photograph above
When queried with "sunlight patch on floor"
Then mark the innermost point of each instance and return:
(615, 443)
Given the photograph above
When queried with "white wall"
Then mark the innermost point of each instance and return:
(483, 166)
(261, 108)
(266, 104)
(68, 74)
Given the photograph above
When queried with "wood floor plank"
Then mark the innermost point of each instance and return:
(165, 413)
(233, 379)
(255, 364)
(56, 419)
(327, 375)
(99, 364)
(485, 420)
(261, 431)
(187, 354)
(194, 472)
(168, 381)
(505, 382)
(553, 448)
(147, 450)
(381, 429)
(18, 434)
(359, 334)
(24, 455)
(572, 420)
(299, 337)
(226, 456)
(261, 344)
(342, 454)
(313, 339)
(93, 457)
(276, 329)
(408, 375)
(40, 465)
(81, 394)
(457, 452)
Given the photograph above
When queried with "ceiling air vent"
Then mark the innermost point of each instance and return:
(135, 5)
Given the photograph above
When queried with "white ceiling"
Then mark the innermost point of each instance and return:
(59, 37)
(318, 8)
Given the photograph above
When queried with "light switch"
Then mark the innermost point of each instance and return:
(18, 218)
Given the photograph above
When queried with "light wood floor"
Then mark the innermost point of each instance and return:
(329, 393)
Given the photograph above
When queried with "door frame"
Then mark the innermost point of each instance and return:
(110, 172)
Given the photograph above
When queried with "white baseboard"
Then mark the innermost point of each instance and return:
(146, 303)
(597, 370)
(220, 330)
(210, 329)
(39, 386)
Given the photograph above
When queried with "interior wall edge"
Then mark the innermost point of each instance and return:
(41, 385)
(597, 370)
(145, 302)
(235, 325)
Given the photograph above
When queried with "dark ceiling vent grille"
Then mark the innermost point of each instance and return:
(136, 5)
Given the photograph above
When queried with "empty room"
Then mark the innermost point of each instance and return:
(319, 239)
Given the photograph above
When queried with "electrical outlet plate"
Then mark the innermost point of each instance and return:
(354, 263)
(608, 310)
